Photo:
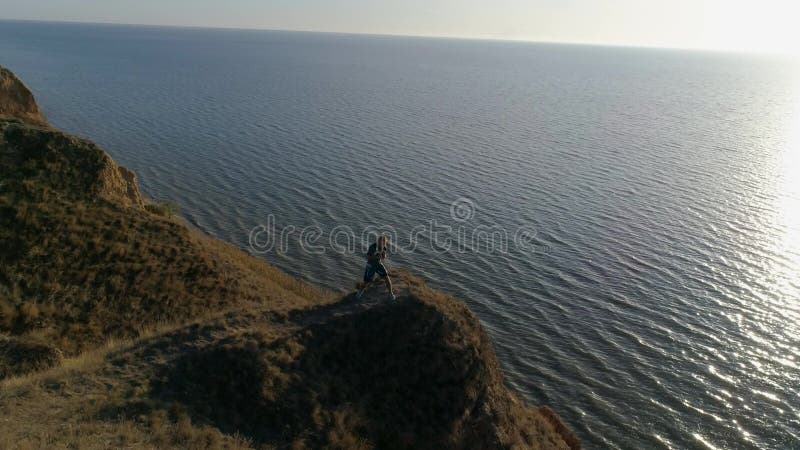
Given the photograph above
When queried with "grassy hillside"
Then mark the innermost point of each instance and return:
(83, 259)
(355, 374)
(121, 327)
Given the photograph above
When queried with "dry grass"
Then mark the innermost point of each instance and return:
(419, 373)
(83, 402)
(93, 358)
(77, 267)
(82, 363)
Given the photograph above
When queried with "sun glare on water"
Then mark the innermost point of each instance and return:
(788, 209)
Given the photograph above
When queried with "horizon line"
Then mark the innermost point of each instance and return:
(773, 53)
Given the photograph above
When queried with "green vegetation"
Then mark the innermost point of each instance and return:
(163, 208)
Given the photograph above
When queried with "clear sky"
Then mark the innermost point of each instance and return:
(749, 25)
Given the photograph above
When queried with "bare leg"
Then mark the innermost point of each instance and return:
(388, 282)
(362, 287)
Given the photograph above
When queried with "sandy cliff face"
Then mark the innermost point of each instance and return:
(16, 100)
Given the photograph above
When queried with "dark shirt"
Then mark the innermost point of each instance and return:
(374, 255)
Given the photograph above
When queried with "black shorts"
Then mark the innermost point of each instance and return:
(372, 269)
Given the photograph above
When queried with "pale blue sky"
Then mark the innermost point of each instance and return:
(752, 25)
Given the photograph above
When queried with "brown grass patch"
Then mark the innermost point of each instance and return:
(79, 263)
(419, 373)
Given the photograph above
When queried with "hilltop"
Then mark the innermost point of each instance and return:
(121, 326)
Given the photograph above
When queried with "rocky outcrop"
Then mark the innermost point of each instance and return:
(419, 372)
(16, 100)
(70, 165)
(117, 183)
(63, 162)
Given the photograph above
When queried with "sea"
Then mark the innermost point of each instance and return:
(624, 221)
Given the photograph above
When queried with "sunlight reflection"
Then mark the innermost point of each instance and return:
(789, 211)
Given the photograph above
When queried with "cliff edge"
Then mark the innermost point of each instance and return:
(122, 327)
(16, 100)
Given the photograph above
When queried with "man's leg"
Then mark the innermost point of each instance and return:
(388, 282)
(381, 269)
(369, 273)
(361, 288)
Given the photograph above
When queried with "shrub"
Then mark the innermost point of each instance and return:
(21, 356)
(28, 313)
(8, 315)
(163, 208)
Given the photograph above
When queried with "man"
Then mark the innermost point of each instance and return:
(375, 255)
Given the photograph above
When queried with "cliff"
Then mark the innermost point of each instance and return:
(122, 327)
(16, 100)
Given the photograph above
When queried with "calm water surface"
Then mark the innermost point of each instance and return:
(659, 301)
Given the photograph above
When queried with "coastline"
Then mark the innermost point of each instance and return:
(158, 304)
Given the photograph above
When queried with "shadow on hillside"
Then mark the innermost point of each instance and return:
(397, 376)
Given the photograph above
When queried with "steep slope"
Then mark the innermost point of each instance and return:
(419, 372)
(214, 348)
(16, 100)
(83, 258)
